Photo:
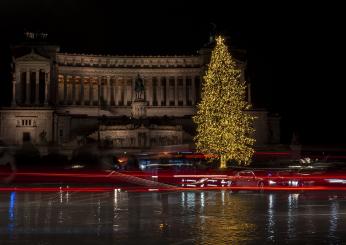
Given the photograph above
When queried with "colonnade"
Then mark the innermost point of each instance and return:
(119, 91)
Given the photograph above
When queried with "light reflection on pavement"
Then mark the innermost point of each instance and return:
(187, 217)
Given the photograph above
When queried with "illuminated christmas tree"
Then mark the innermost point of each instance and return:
(224, 128)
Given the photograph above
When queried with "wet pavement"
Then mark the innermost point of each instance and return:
(200, 217)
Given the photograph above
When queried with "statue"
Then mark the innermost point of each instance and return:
(212, 33)
(43, 136)
(139, 88)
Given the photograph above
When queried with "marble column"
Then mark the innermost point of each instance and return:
(184, 90)
(159, 91)
(110, 92)
(81, 97)
(129, 90)
(118, 92)
(91, 92)
(153, 90)
(115, 91)
(46, 86)
(99, 90)
(167, 91)
(73, 90)
(27, 97)
(133, 88)
(175, 91)
(13, 103)
(125, 91)
(193, 91)
(108, 101)
(18, 80)
(149, 89)
(249, 93)
(37, 86)
(65, 89)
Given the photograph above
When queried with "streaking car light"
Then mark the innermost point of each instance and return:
(212, 180)
(293, 183)
(200, 176)
(56, 189)
(336, 181)
(271, 182)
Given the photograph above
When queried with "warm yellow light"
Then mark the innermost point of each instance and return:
(224, 127)
(122, 160)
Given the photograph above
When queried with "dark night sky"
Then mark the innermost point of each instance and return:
(294, 50)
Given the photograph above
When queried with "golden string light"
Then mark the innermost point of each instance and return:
(224, 127)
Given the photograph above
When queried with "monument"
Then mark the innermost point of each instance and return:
(64, 94)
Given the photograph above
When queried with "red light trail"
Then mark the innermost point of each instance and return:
(146, 189)
(171, 181)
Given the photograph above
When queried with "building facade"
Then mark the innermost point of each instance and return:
(61, 97)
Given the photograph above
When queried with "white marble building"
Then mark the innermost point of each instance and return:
(59, 97)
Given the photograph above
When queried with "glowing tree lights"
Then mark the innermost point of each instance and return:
(224, 128)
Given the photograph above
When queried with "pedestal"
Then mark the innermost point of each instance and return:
(139, 109)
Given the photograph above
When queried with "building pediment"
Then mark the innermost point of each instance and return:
(32, 57)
